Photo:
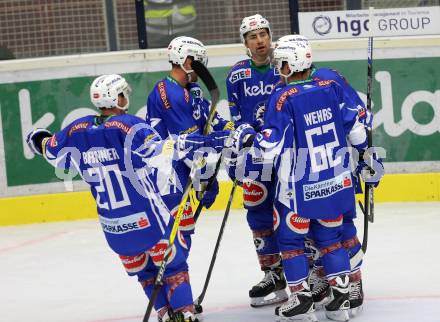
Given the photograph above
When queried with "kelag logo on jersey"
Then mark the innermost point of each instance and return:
(327, 188)
(259, 89)
(125, 224)
(240, 74)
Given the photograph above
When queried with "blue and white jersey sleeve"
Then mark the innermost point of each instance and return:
(353, 121)
(232, 89)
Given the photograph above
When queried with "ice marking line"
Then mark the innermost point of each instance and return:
(399, 298)
(134, 317)
(214, 309)
(32, 242)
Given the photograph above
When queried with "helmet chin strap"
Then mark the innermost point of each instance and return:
(286, 76)
(188, 72)
(124, 108)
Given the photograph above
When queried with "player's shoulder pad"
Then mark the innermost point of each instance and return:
(278, 86)
(80, 124)
(282, 95)
(329, 73)
(241, 70)
(124, 122)
(163, 91)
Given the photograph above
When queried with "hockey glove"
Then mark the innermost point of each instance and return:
(240, 138)
(35, 139)
(188, 144)
(370, 167)
(209, 196)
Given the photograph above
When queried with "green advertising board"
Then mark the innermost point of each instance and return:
(406, 97)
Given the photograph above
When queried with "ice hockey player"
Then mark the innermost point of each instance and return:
(307, 126)
(109, 151)
(176, 106)
(249, 84)
(318, 282)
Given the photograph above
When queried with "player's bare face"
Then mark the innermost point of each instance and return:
(258, 42)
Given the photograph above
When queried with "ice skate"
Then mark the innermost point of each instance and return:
(185, 316)
(319, 285)
(163, 318)
(356, 294)
(299, 307)
(271, 290)
(338, 306)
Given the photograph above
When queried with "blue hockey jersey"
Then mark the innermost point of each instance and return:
(332, 74)
(307, 125)
(249, 88)
(173, 110)
(109, 157)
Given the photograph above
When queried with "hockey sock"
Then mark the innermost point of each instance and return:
(350, 240)
(161, 300)
(179, 291)
(296, 266)
(335, 260)
(266, 245)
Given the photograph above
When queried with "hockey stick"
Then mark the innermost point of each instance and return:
(368, 209)
(212, 87)
(207, 188)
(199, 300)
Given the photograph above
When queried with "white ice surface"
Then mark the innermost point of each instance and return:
(65, 271)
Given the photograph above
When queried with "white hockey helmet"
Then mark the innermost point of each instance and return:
(295, 51)
(252, 23)
(105, 90)
(182, 47)
(299, 38)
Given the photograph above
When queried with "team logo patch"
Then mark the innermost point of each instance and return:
(196, 92)
(284, 96)
(187, 221)
(327, 188)
(276, 218)
(331, 223)
(254, 193)
(157, 252)
(259, 243)
(163, 94)
(297, 224)
(119, 125)
(134, 264)
(123, 225)
(241, 73)
(77, 127)
(325, 82)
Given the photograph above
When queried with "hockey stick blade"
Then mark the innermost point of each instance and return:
(204, 75)
(212, 87)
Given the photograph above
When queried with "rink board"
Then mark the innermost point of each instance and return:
(50, 92)
(80, 205)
